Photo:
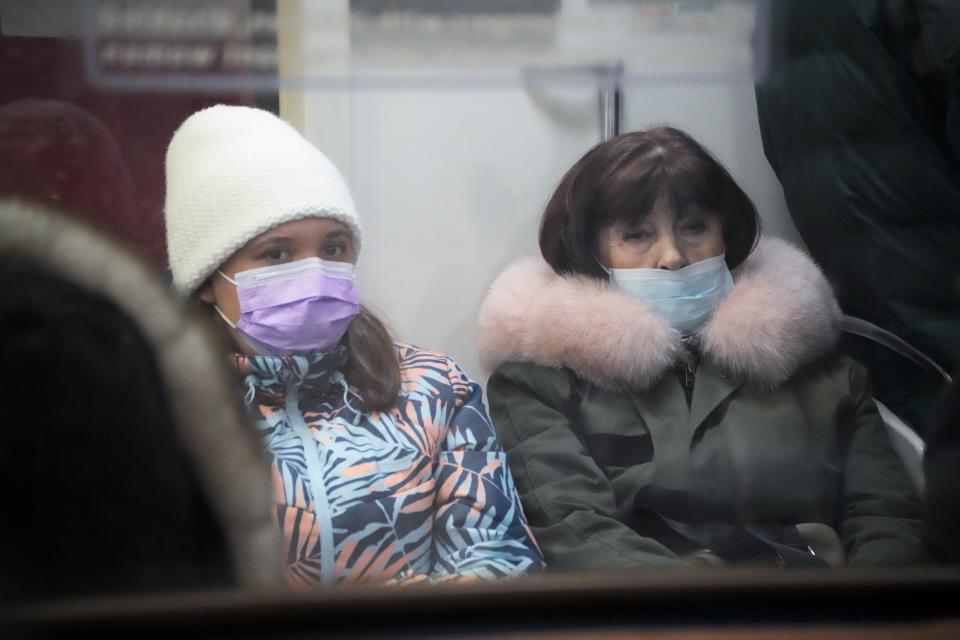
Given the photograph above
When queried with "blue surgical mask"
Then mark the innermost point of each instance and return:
(686, 298)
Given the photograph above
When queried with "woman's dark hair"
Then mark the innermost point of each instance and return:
(620, 180)
(372, 364)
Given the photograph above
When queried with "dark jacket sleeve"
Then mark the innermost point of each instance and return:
(568, 499)
(941, 467)
(882, 516)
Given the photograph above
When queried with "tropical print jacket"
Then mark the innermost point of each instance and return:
(419, 493)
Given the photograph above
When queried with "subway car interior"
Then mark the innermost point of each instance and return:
(480, 318)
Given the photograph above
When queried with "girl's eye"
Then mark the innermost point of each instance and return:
(276, 254)
(694, 227)
(333, 250)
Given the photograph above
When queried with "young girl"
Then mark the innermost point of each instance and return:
(385, 465)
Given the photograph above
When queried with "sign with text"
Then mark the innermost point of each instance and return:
(248, 44)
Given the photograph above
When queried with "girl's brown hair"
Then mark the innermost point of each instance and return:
(372, 364)
(620, 180)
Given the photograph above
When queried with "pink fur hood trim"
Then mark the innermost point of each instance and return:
(780, 315)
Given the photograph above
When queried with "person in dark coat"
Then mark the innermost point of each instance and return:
(941, 467)
(668, 388)
(859, 108)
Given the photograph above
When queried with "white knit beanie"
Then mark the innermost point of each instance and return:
(235, 172)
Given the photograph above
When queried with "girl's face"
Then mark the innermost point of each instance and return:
(663, 239)
(307, 238)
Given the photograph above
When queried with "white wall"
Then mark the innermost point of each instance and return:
(450, 182)
(450, 186)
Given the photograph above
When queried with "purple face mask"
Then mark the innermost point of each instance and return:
(298, 307)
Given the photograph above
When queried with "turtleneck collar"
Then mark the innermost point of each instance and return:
(268, 377)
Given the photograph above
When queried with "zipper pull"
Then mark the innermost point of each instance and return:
(689, 376)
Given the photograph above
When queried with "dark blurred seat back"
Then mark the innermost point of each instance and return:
(126, 461)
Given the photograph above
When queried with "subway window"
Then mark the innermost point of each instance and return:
(326, 314)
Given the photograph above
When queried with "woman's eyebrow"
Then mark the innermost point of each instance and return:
(690, 213)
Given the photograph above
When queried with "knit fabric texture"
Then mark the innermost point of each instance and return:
(234, 172)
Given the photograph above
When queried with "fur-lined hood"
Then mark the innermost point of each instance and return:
(780, 315)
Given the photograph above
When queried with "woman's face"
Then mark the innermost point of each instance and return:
(663, 239)
(307, 238)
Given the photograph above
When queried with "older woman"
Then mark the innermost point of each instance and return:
(667, 388)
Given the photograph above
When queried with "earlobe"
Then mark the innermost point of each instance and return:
(205, 292)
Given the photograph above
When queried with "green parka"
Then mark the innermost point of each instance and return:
(778, 430)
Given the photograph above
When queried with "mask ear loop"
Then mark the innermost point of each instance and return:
(222, 315)
(225, 318)
(227, 278)
(346, 391)
(251, 390)
(602, 266)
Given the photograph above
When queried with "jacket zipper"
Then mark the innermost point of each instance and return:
(318, 488)
(689, 375)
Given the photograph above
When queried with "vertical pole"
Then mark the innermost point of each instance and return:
(610, 99)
